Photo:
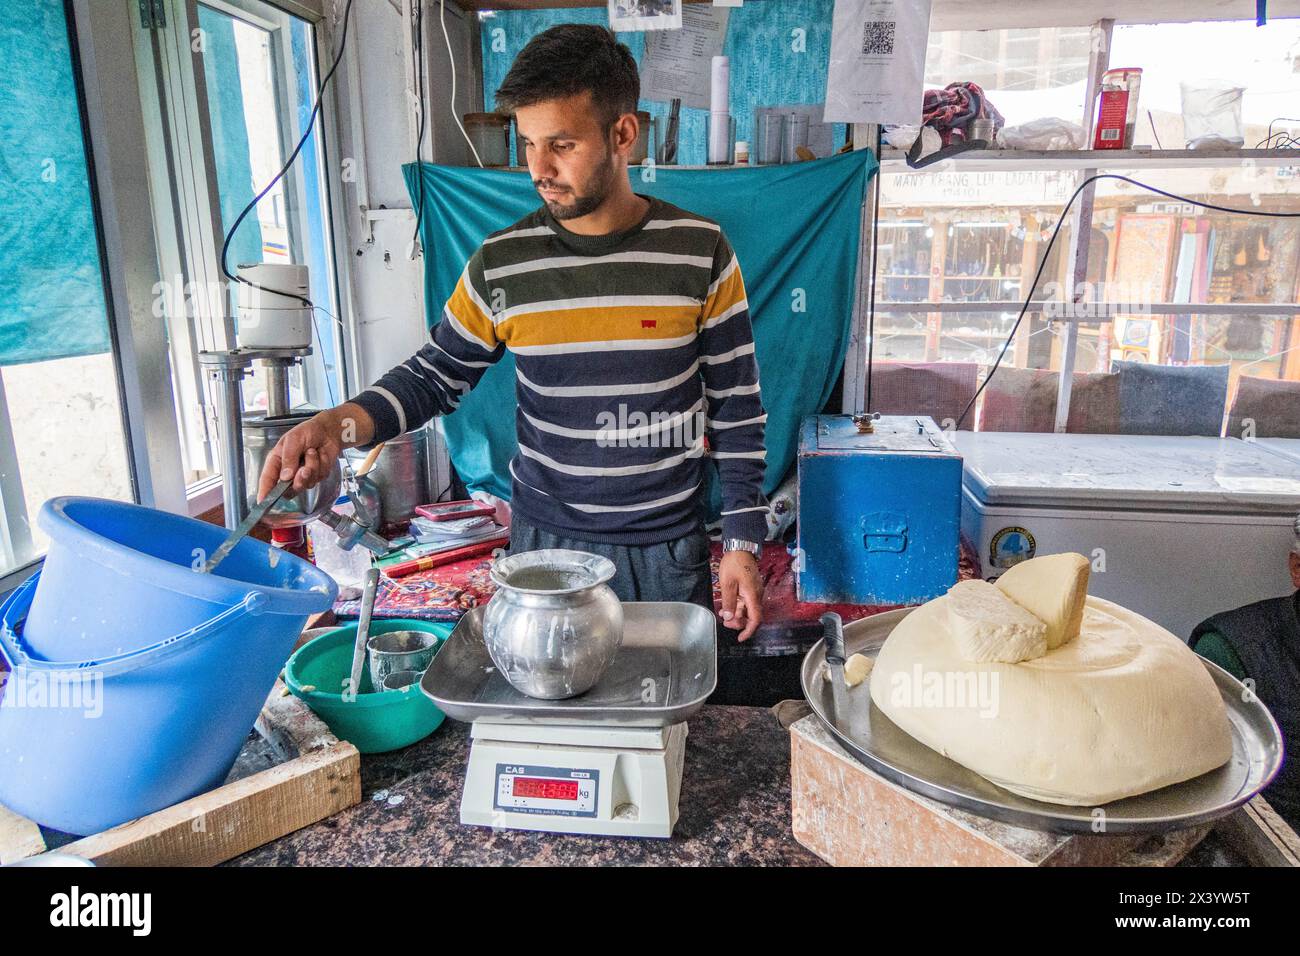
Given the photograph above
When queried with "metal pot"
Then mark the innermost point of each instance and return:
(401, 474)
(554, 625)
(260, 436)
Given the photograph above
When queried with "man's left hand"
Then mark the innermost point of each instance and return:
(742, 593)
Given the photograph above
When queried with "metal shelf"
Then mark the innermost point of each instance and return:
(992, 160)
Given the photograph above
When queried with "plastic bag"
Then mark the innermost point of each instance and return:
(1212, 115)
(1050, 132)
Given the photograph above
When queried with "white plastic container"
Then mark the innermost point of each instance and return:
(272, 309)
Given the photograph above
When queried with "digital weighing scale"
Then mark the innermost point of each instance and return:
(606, 762)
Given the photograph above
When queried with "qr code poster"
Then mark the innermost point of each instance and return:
(878, 37)
(877, 62)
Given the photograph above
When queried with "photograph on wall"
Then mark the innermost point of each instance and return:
(627, 15)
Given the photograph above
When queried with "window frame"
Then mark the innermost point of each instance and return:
(121, 90)
(186, 213)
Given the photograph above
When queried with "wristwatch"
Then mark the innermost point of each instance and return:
(740, 544)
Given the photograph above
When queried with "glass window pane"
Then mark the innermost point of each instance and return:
(1262, 60)
(61, 428)
(1027, 74)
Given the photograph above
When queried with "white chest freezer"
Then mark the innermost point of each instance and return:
(1178, 528)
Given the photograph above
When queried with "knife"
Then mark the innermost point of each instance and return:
(833, 643)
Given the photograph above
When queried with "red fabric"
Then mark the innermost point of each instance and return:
(950, 109)
(446, 593)
(1273, 406)
(940, 390)
(1020, 400)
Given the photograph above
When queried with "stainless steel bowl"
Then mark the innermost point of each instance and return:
(260, 436)
(554, 625)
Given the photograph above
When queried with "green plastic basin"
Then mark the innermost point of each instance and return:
(374, 722)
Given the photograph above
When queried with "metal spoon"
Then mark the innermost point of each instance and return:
(245, 526)
(363, 628)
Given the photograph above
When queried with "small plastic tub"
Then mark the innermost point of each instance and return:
(375, 721)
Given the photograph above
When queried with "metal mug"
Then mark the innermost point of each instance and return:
(982, 128)
(554, 625)
(399, 651)
(400, 680)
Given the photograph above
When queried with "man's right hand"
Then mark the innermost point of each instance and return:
(307, 452)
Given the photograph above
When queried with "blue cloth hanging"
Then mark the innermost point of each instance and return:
(51, 284)
(796, 233)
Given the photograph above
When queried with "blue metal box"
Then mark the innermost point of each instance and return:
(879, 513)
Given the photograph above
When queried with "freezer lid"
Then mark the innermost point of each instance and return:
(907, 434)
(1286, 447)
(1147, 472)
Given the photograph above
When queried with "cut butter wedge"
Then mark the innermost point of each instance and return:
(987, 626)
(857, 669)
(1053, 588)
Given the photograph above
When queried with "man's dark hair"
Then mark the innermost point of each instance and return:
(567, 59)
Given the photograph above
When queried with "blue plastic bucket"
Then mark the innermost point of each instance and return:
(136, 679)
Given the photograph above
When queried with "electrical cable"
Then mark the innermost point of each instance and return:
(1281, 119)
(311, 124)
(1052, 239)
(423, 106)
(442, 17)
(875, 252)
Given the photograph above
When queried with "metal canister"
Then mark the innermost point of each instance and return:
(401, 473)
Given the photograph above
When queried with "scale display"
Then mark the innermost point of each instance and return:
(556, 791)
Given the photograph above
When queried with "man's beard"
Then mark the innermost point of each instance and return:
(601, 185)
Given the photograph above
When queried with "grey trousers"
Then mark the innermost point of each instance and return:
(676, 570)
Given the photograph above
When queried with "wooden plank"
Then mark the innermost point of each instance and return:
(19, 837)
(290, 726)
(223, 823)
(1260, 835)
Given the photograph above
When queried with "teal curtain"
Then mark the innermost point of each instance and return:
(796, 233)
(51, 283)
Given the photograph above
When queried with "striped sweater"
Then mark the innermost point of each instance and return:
(635, 360)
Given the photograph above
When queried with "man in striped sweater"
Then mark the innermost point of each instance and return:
(634, 352)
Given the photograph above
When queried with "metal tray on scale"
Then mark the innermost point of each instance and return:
(663, 672)
(890, 751)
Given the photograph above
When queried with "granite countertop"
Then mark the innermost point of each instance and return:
(735, 810)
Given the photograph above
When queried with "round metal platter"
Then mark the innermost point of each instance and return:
(889, 751)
